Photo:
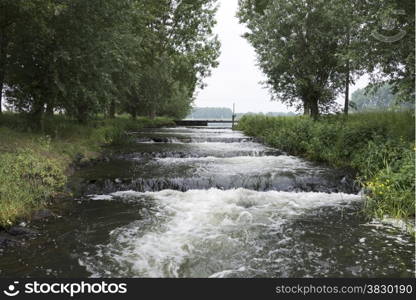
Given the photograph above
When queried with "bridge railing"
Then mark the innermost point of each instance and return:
(203, 122)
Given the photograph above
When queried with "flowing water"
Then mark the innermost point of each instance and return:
(211, 202)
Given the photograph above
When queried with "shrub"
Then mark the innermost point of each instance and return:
(391, 189)
(27, 181)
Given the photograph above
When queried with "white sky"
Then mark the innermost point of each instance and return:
(237, 78)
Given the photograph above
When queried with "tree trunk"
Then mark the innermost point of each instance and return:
(37, 115)
(306, 110)
(1, 93)
(82, 117)
(347, 89)
(49, 110)
(347, 77)
(112, 112)
(82, 114)
(314, 109)
(133, 113)
(2, 67)
(134, 106)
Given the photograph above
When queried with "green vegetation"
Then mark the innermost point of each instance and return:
(83, 58)
(34, 165)
(373, 98)
(28, 180)
(379, 146)
(311, 51)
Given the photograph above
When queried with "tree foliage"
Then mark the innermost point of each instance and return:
(299, 48)
(311, 50)
(389, 50)
(87, 57)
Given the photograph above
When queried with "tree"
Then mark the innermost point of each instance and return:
(374, 98)
(389, 56)
(61, 56)
(9, 17)
(179, 51)
(311, 50)
(298, 44)
(27, 54)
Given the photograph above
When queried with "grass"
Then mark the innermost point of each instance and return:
(34, 165)
(379, 146)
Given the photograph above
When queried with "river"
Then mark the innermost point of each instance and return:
(210, 202)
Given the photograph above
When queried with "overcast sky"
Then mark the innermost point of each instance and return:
(237, 78)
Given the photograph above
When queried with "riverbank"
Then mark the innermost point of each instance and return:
(34, 165)
(379, 146)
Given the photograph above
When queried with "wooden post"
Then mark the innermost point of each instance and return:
(233, 117)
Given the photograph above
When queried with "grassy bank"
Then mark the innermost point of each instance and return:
(34, 165)
(379, 146)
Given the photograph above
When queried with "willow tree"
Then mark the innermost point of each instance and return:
(299, 48)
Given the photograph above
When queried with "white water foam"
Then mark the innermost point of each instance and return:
(170, 140)
(195, 130)
(405, 226)
(221, 149)
(242, 164)
(202, 233)
(229, 147)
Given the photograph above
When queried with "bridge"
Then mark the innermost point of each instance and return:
(191, 122)
(203, 122)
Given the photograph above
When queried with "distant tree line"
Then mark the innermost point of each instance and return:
(270, 114)
(312, 50)
(377, 98)
(83, 57)
(223, 113)
(207, 113)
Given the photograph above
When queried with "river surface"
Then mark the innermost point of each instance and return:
(210, 202)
